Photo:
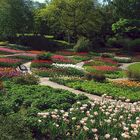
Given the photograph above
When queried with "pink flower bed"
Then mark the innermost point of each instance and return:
(29, 54)
(9, 50)
(9, 60)
(8, 72)
(105, 68)
(61, 59)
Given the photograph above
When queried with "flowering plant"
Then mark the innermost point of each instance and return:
(3, 49)
(96, 120)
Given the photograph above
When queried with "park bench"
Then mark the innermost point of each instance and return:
(23, 69)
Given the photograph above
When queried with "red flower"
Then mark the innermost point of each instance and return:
(107, 60)
(9, 60)
(42, 61)
(61, 59)
(105, 68)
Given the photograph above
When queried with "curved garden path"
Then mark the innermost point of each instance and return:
(45, 81)
(124, 66)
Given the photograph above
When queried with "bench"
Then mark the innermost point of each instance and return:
(23, 68)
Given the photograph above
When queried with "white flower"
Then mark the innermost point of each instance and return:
(94, 130)
(73, 118)
(39, 121)
(107, 136)
(85, 128)
(95, 113)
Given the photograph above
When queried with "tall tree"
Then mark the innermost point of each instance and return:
(15, 17)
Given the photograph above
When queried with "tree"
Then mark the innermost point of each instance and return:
(15, 17)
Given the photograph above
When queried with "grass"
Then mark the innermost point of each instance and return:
(134, 71)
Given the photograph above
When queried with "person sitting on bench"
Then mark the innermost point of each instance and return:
(23, 68)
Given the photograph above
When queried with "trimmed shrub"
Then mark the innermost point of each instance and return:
(99, 77)
(44, 56)
(83, 45)
(134, 72)
(26, 80)
(110, 55)
(3, 43)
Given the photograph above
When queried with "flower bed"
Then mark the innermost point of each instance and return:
(61, 59)
(105, 68)
(127, 83)
(92, 120)
(25, 56)
(41, 63)
(7, 50)
(132, 93)
(58, 72)
(9, 62)
(8, 72)
(108, 61)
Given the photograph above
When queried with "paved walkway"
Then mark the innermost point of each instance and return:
(124, 66)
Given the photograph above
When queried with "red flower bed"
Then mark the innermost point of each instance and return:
(8, 72)
(9, 60)
(61, 59)
(42, 61)
(9, 50)
(107, 60)
(105, 68)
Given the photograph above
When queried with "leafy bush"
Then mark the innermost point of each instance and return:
(83, 45)
(34, 42)
(17, 47)
(58, 72)
(44, 56)
(122, 59)
(99, 77)
(132, 93)
(41, 63)
(1, 85)
(134, 71)
(13, 127)
(110, 55)
(3, 43)
(27, 79)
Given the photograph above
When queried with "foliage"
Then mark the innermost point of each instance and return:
(110, 55)
(122, 59)
(58, 72)
(41, 63)
(17, 47)
(27, 79)
(134, 71)
(91, 120)
(4, 43)
(44, 56)
(83, 45)
(9, 62)
(24, 98)
(127, 28)
(13, 22)
(14, 127)
(98, 88)
(98, 76)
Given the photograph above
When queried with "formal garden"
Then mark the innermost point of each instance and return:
(69, 70)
